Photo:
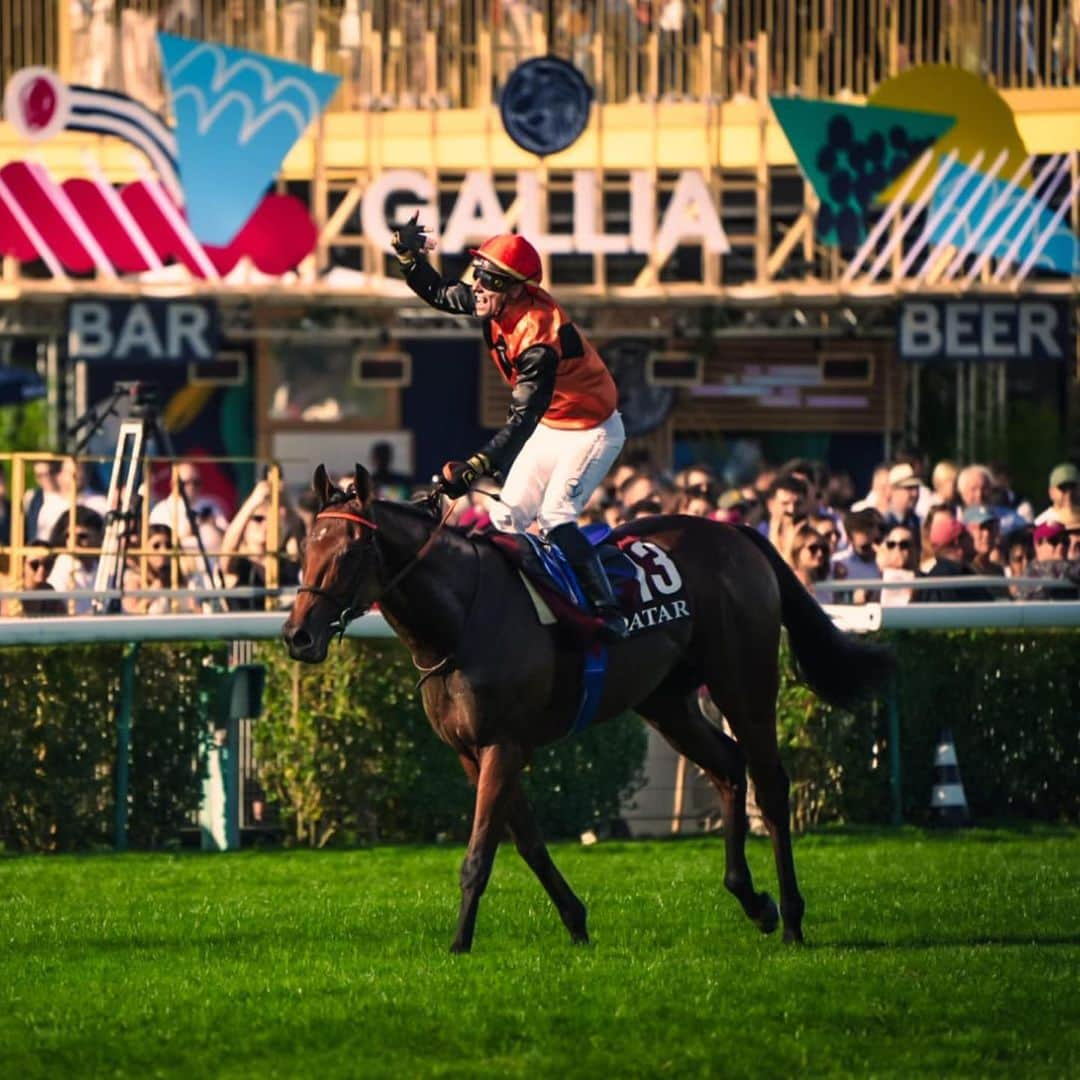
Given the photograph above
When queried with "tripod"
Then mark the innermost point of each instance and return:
(136, 432)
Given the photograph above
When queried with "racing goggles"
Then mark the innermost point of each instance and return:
(492, 279)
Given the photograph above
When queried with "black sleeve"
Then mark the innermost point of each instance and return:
(529, 401)
(442, 293)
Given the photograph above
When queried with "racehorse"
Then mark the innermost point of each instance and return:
(497, 683)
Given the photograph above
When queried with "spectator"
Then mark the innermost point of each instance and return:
(37, 565)
(1072, 553)
(937, 512)
(643, 508)
(205, 509)
(635, 488)
(975, 486)
(1019, 554)
(985, 531)
(1051, 545)
(898, 560)
(71, 571)
(43, 503)
(808, 556)
(903, 495)
(952, 549)
(159, 575)
(244, 550)
(388, 483)
(859, 561)
(788, 507)
(878, 496)
(829, 532)
(1064, 501)
(914, 459)
(943, 482)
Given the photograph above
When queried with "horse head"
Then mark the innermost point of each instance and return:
(340, 570)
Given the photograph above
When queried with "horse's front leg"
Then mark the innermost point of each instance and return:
(499, 768)
(531, 848)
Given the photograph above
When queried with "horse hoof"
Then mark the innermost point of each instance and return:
(459, 948)
(769, 918)
(792, 936)
(579, 939)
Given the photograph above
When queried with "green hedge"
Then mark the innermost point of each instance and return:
(1011, 699)
(346, 752)
(58, 744)
(347, 755)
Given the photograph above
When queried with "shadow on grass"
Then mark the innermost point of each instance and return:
(973, 941)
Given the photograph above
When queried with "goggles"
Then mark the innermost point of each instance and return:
(491, 279)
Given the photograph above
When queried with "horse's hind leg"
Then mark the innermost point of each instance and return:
(531, 848)
(678, 718)
(755, 729)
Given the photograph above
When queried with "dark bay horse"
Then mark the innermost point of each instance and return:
(497, 683)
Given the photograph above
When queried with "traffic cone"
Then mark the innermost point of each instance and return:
(948, 804)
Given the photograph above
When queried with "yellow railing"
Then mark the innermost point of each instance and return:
(185, 558)
(457, 53)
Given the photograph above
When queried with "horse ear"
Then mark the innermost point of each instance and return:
(363, 484)
(323, 485)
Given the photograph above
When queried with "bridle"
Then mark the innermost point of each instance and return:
(346, 613)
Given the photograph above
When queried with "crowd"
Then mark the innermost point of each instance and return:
(846, 547)
(956, 522)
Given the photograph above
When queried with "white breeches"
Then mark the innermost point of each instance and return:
(555, 473)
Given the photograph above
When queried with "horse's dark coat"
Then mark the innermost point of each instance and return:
(510, 686)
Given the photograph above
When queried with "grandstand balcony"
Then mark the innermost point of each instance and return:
(679, 84)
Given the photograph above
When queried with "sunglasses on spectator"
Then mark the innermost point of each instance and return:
(83, 538)
(39, 564)
(903, 545)
(492, 280)
(815, 549)
(1056, 541)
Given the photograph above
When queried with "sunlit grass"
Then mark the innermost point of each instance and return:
(943, 955)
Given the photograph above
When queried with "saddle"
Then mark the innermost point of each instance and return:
(551, 580)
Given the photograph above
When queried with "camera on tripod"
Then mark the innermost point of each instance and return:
(143, 396)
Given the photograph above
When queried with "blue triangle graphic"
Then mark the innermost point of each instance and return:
(238, 114)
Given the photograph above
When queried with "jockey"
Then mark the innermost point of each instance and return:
(563, 431)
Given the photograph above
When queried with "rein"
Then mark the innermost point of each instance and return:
(345, 613)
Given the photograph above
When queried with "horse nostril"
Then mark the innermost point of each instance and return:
(300, 639)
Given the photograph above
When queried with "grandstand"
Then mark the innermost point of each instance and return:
(679, 225)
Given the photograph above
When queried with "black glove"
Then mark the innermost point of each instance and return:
(410, 240)
(458, 476)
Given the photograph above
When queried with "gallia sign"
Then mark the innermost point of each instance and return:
(690, 216)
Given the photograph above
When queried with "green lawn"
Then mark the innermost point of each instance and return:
(928, 955)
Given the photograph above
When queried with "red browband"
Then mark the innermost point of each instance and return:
(347, 517)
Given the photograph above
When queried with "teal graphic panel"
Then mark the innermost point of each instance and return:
(1061, 252)
(851, 153)
(238, 114)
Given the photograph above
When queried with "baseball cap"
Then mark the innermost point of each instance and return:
(944, 531)
(1065, 473)
(1048, 530)
(978, 515)
(903, 476)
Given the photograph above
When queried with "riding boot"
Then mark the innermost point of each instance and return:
(594, 582)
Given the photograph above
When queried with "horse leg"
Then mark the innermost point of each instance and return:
(679, 721)
(531, 847)
(756, 733)
(499, 766)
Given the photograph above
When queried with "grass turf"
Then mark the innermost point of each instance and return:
(947, 955)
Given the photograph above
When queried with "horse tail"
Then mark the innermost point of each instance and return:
(838, 667)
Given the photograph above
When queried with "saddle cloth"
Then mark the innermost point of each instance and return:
(553, 586)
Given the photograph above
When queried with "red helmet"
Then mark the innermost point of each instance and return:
(513, 255)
